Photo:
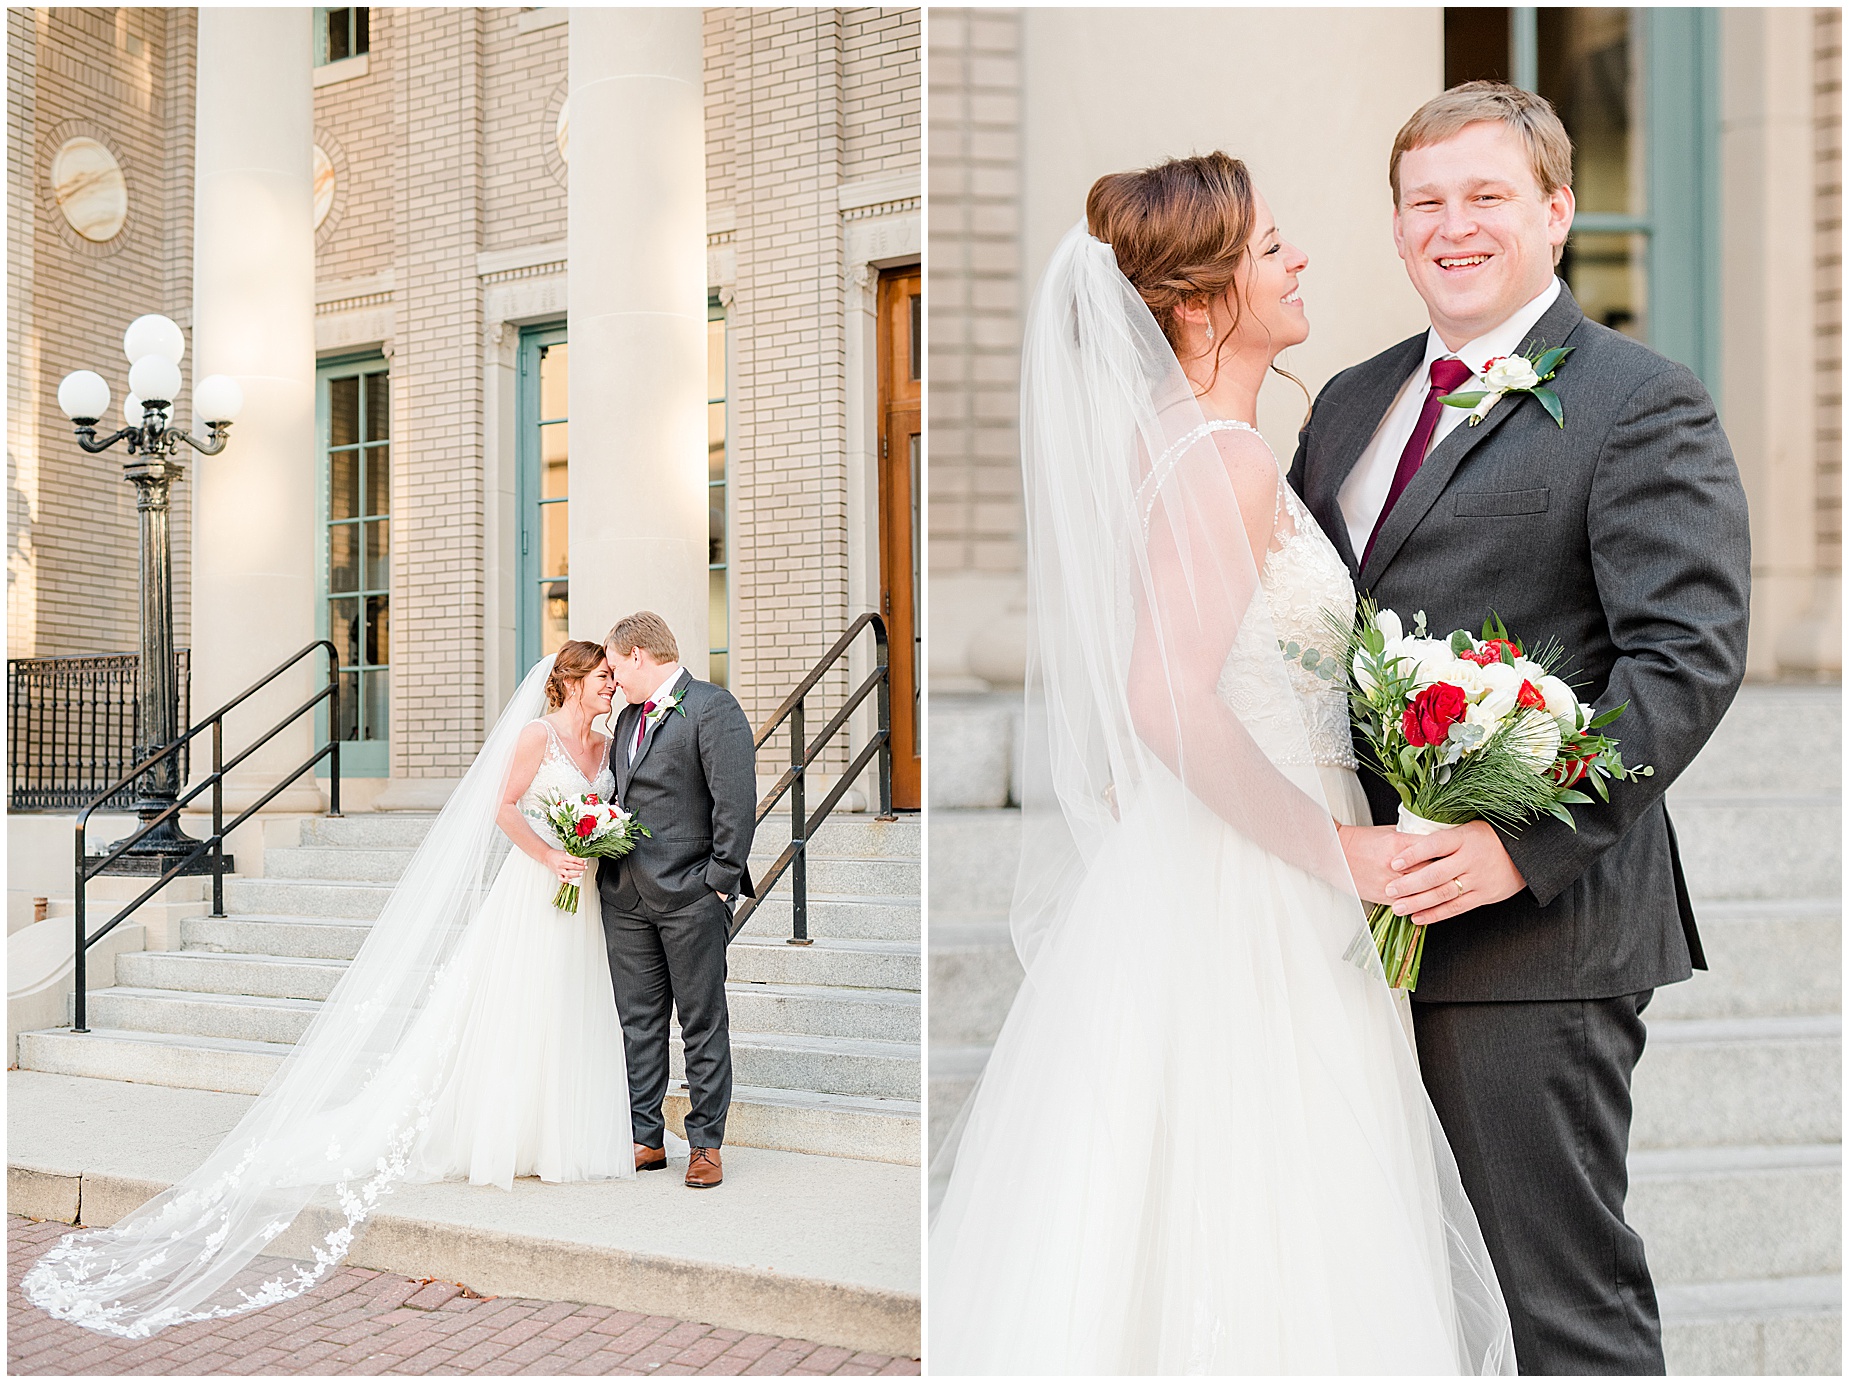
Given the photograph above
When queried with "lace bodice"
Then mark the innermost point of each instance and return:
(1305, 583)
(558, 773)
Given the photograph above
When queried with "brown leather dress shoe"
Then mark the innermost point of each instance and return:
(651, 1159)
(703, 1168)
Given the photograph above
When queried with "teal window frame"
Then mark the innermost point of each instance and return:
(528, 620)
(358, 25)
(1681, 127)
(358, 758)
(719, 656)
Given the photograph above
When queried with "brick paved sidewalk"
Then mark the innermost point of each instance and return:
(365, 1322)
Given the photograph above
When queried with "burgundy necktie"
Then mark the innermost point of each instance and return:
(1447, 375)
(648, 709)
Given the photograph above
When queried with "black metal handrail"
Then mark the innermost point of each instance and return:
(74, 723)
(803, 753)
(89, 866)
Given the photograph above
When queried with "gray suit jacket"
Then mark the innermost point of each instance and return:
(694, 785)
(1624, 536)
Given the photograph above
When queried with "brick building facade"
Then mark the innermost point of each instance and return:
(442, 257)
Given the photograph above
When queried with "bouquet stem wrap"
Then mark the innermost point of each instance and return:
(1400, 940)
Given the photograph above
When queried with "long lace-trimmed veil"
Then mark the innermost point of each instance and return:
(250, 1226)
(1141, 582)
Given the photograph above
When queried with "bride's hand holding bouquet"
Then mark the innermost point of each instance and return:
(588, 828)
(1466, 728)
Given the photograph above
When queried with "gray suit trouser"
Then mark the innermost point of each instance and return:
(661, 962)
(1535, 1099)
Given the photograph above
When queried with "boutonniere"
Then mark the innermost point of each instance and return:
(670, 702)
(1514, 374)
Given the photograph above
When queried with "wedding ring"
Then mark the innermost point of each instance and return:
(1461, 890)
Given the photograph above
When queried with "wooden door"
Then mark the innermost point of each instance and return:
(901, 348)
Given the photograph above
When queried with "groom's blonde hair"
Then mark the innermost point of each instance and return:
(1550, 151)
(647, 631)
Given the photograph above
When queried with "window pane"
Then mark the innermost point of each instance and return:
(1608, 275)
(554, 460)
(348, 725)
(362, 35)
(715, 358)
(553, 559)
(1476, 44)
(378, 630)
(343, 484)
(718, 669)
(378, 480)
(337, 45)
(379, 555)
(554, 372)
(378, 403)
(715, 441)
(720, 637)
(715, 525)
(343, 571)
(343, 411)
(554, 608)
(917, 336)
(343, 627)
(1586, 70)
(378, 705)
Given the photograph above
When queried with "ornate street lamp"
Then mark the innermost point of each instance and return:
(154, 346)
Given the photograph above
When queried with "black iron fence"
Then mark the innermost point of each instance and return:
(73, 729)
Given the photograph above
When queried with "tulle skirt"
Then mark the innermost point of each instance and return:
(523, 1024)
(1201, 1145)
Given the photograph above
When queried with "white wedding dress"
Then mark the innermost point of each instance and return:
(1200, 1144)
(522, 1033)
(475, 1034)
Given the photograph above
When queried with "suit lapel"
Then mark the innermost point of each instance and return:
(621, 733)
(681, 679)
(1555, 328)
(1356, 428)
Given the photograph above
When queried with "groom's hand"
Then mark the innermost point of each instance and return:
(1450, 872)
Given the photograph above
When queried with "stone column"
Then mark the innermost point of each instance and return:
(637, 315)
(253, 584)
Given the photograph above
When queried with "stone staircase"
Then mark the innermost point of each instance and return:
(1736, 1168)
(825, 1037)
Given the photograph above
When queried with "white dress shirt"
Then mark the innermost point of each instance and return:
(1365, 490)
(673, 673)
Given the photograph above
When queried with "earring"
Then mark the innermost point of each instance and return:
(1210, 331)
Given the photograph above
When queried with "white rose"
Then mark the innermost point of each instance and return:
(1561, 703)
(1504, 684)
(1537, 739)
(1529, 669)
(1511, 372)
(1466, 675)
(1433, 657)
(1390, 627)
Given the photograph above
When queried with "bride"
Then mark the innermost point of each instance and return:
(474, 1035)
(1201, 1144)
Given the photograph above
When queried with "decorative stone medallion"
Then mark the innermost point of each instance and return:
(90, 189)
(325, 183)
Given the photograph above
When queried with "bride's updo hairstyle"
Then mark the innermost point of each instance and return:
(576, 660)
(1179, 231)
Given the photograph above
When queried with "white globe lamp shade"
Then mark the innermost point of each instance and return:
(131, 411)
(218, 398)
(154, 379)
(84, 396)
(153, 335)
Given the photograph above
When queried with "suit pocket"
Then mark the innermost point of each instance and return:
(1495, 504)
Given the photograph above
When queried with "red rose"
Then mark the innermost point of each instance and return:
(1530, 697)
(590, 798)
(1432, 714)
(1570, 771)
(1491, 652)
(586, 825)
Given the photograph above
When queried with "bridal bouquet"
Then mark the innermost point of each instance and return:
(1467, 728)
(589, 828)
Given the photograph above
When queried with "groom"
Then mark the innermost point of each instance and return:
(685, 765)
(1622, 534)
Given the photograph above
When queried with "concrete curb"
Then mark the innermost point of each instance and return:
(496, 1263)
